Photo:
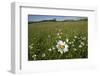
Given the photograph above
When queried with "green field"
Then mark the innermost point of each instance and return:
(44, 39)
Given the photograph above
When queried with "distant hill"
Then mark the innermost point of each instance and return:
(54, 20)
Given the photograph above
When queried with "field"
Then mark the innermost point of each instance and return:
(57, 40)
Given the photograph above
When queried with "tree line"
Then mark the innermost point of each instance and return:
(54, 20)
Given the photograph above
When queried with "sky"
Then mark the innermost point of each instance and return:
(48, 17)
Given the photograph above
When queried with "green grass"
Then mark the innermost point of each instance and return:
(43, 36)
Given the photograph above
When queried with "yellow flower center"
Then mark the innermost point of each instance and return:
(62, 46)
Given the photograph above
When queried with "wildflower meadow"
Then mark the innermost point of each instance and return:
(52, 40)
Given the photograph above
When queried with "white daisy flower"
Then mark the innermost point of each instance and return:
(34, 56)
(73, 39)
(59, 37)
(67, 40)
(58, 34)
(62, 47)
(82, 43)
(75, 36)
(49, 36)
(43, 55)
(31, 46)
(50, 49)
(53, 48)
(84, 38)
(80, 46)
(72, 42)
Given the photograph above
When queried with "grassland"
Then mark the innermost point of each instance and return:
(43, 38)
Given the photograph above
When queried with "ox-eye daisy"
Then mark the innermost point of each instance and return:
(62, 47)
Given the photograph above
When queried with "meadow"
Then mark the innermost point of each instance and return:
(57, 40)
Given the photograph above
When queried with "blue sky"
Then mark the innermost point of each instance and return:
(48, 17)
